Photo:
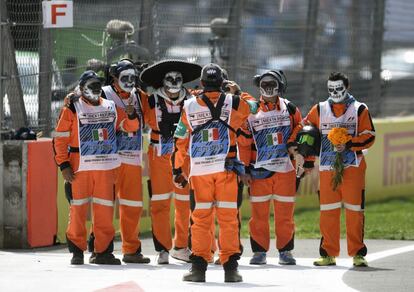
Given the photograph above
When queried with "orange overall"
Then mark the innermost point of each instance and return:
(91, 185)
(161, 187)
(128, 186)
(213, 190)
(243, 145)
(352, 190)
(279, 187)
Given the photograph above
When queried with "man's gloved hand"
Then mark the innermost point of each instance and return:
(246, 179)
(293, 150)
(340, 148)
(232, 87)
(130, 111)
(179, 179)
(68, 174)
(308, 166)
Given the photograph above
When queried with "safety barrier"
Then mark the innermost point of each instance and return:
(28, 210)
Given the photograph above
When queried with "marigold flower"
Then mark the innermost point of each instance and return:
(338, 136)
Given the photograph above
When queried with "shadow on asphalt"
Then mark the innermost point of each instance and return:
(369, 269)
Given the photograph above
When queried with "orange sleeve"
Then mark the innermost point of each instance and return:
(124, 123)
(182, 141)
(366, 132)
(311, 118)
(244, 143)
(244, 136)
(63, 135)
(240, 115)
(296, 120)
(145, 108)
(246, 96)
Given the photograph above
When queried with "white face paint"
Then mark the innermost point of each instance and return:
(173, 81)
(126, 80)
(337, 90)
(269, 87)
(92, 90)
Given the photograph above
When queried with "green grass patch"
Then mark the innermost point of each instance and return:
(385, 218)
(391, 218)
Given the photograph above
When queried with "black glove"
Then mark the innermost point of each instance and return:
(179, 179)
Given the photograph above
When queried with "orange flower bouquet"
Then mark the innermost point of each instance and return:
(338, 136)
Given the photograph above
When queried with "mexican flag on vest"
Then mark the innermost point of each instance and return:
(274, 139)
(210, 135)
(100, 134)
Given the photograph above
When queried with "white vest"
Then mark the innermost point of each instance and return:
(209, 146)
(97, 135)
(270, 131)
(327, 121)
(129, 144)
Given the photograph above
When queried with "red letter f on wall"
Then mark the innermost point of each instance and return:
(55, 13)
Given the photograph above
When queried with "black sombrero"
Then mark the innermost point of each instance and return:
(154, 74)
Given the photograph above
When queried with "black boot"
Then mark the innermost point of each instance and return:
(106, 257)
(231, 274)
(136, 258)
(77, 258)
(197, 271)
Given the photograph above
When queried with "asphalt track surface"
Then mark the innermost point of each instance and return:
(391, 268)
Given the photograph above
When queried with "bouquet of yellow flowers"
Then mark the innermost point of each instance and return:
(338, 136)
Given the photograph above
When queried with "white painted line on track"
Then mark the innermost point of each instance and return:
(390, 252)
(51, 271)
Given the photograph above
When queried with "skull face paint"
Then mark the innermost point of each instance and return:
(92, 90)
(269, 87)
(126, 80)
(337, 90)
(173, 81)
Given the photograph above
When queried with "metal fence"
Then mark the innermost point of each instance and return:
(372, 41)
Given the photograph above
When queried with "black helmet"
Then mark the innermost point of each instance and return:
(309, 141)
(279, 75)
(211, 77)
(87, 75)
(120, 66)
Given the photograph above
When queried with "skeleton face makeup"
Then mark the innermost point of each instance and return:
(92, 90)
(126, 80)
(337, 90)
(269, 87)
(173, 81)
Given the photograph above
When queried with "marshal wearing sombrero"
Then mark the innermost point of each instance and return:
(155, 74)
(164, 110)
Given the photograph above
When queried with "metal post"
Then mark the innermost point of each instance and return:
(1, 73)
(45, 80)
(146, 26)
(14, 88)
(234, 38)
(378, 34)
(309, 53)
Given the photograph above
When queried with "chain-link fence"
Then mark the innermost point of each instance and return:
(372, 41)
